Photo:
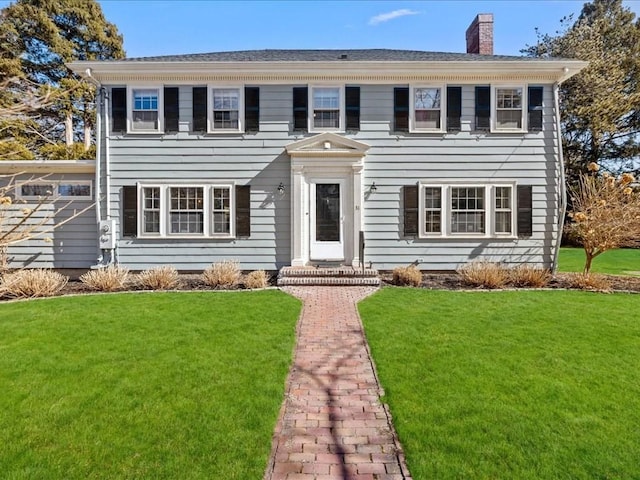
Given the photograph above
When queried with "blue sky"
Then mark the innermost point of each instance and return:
(163, 27)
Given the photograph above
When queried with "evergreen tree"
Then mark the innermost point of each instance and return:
(599, 106)
(37, 37)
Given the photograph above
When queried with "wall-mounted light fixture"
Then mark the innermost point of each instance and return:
(373, 188)
(281, 188)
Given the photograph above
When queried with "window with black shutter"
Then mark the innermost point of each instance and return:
(352, 106)
(119, 109)
(199, 108)
(129, 211)
(300, 109)
(401, 109)
(171, 107)
(535, 109)
(243, 210)
(251, 109)
(483, 108)
(525, 211)
(410, 199)
(454, 108)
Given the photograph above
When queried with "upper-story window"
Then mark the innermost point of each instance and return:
(508, 108)
(226, 109)
(144, 111)
(427, 111)
(326, 111)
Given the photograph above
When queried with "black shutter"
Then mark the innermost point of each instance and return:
(535, 109)
(352, 106)
(525, 211)
(119, 109)
(454, 108)
(199, 104)
(171, 109)
(251, 109)
(410, 197)
(243, 210)
(483, 108)
(300, 102)
(401, 109)
(129, 211)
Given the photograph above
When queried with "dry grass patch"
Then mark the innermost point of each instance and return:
(159, 278)
(589, 281)
(109, 279)
(529, 276)
(410, 276)
(484, 274)
(256, 279)
(222, 274)
(32, 283)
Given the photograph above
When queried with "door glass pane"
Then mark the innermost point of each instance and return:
(328, 212)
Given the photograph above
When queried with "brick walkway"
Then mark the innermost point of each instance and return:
(333, 425)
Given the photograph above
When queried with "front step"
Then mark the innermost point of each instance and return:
(338, 276)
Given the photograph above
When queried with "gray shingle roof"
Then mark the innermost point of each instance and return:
(368, 55)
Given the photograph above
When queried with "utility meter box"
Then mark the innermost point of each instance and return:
(107, 234)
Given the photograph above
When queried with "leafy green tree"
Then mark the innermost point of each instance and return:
(37, 37)
(599, 106)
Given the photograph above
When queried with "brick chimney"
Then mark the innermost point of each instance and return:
(480, 35)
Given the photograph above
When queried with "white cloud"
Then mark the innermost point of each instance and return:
(385, 17)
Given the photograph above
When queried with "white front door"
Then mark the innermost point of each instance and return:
(326, 220)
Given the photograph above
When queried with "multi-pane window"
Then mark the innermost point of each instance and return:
(186, 210)
(151, 210)
(503, 210)
(468, 210)
(221, 210)
(80, 190)
(509, 108)
(145, 110)
(226, 109)
(427, 104)
(326, 108)
(433, 209)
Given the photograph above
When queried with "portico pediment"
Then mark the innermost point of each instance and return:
(327, 145)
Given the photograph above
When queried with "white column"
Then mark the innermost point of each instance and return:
(358, 210)
(298, 217)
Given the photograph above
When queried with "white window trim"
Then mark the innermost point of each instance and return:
(165, 202)
(130, 103)
(342, 113)
(443, 107)
(54, 192)
(210, 122)
(232, 210)
(446, 213)
(494, 109)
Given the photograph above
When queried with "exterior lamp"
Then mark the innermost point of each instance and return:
(281, 188)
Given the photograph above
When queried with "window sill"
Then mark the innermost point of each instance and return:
(509, 130)
(469, 236)
(177, 236)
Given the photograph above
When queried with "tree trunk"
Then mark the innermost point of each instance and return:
(87, 136)
(587, 265)
(68, 130)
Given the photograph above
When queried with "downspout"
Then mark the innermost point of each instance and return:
(562, 207)
(97, 184)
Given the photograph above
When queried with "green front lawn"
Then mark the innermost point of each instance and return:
(151, 385)
(623, 261)
(518, 385)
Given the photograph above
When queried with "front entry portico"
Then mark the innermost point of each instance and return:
(327, 199)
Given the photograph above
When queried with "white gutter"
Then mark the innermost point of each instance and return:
(562, 207)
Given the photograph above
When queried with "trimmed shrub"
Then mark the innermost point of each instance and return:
(410, 276)
(529, 276)
(484, 274)
(589, 281)
(32, 283)
(222, 274)
(256, 279)
(109, 279)
(159, 278)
